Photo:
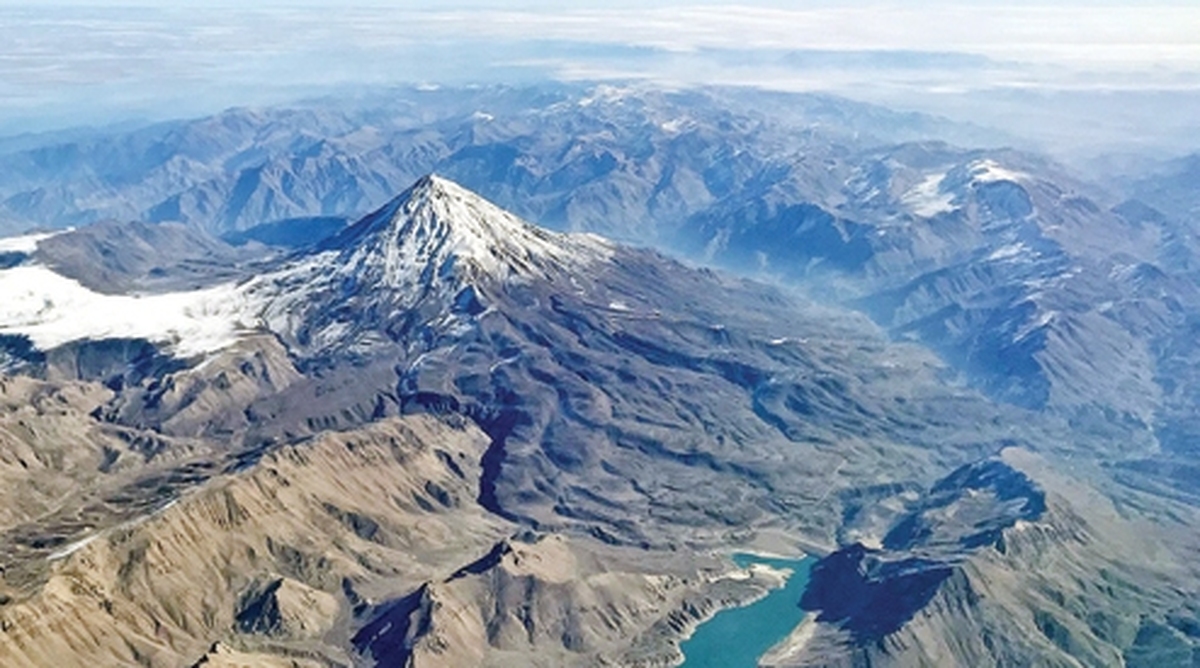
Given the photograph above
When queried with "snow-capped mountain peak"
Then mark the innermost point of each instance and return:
(437, 249)
(439, 226)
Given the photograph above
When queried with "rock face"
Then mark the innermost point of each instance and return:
(1170, 190)
(60, 470)
(115, 258)
(873, 593)
(283, 607)
(223, 656)
(210, 400)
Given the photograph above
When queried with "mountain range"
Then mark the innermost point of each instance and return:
(988, 256)
(444, 435)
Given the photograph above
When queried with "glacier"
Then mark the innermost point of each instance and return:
(53, 310)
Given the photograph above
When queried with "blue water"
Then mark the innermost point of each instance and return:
(737, 637)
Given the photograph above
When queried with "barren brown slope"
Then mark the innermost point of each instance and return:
(349, 515)
(305, 555)
(554, 600)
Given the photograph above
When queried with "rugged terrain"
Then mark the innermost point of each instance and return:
(1040, 289)
(442, 435)
(623, 161)
(290, 557)
(283, 512)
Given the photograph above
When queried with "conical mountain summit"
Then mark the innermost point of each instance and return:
(440, 227)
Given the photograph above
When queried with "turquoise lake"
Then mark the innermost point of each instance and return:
(737, 637)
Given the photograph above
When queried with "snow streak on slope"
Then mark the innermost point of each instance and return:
(927, 200)
(53, 310)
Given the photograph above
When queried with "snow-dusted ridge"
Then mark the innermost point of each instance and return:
(937, 192)
(990, 171)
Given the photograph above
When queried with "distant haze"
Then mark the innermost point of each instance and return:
(1044, 70)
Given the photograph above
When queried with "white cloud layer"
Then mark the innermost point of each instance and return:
(62, 64)
(1109, 36)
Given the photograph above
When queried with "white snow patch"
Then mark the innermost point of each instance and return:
(1009, 251)
(1023, 525)
(53, 310)
(165, 507)
(676, 125)
(990, 171)
(78, 545)
(1122, 272)
(501, 362)
(26, 243)
(1043, 318)
(926, 199)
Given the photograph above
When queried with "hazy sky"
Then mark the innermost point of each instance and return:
(101, 61)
